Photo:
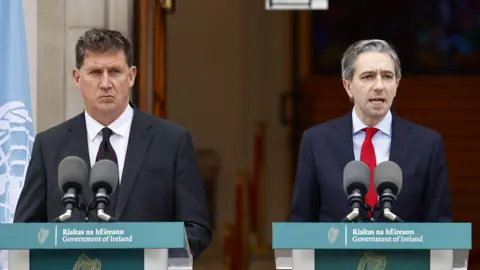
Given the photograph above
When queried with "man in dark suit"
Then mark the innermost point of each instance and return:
(371, 133)
(159, 178)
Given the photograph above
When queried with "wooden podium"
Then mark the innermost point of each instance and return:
(96, 246)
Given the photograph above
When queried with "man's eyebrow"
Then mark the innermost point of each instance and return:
(109, 68)
(374, 71)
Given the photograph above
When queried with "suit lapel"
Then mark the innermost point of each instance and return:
(341, 141)
(140, 135)
(400, 143)
(76, 144)
(399, 146)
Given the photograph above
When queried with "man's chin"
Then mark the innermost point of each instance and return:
(107, 107)
(378, 113)
(379, 108)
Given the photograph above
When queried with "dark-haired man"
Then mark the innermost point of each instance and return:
(371, 133)
(159, 178)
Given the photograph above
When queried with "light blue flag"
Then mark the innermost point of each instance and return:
(16, 124)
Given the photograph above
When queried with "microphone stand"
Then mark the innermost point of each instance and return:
(387, 200)
(100, 212)
(63, 217)
(391, 216)
(352, 216)
(384, 207)
(355, 214)
(357, 204)
(68, 201)
(388, 214)
(104, 216)
(68, 213)
(86, 209)
(101, 201)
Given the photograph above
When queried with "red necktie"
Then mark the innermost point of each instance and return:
(367, 156)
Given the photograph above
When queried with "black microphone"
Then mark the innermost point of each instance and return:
(356, 183)
(103, 182)
(388, 181)
(72, 175)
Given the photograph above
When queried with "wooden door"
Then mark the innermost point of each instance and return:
(151, 99)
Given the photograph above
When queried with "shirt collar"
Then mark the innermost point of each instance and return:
(121, 126)
(384, 126)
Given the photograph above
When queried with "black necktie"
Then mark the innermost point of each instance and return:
(106, 151)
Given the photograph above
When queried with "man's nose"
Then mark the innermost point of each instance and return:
(105, 81)
(379, 83)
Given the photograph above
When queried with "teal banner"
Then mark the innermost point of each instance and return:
(370, 236)
(107, 259)
(92, 235)
(377, 260)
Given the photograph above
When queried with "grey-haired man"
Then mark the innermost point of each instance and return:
(371, 133)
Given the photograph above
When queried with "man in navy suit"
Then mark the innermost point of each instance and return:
(371, 133)
(159, 180)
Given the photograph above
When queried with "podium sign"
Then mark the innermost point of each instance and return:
(93, 245)
(379, 246)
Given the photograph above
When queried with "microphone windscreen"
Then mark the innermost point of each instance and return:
(356, 175)
(388, 174)
(72, 173)
(104, 174)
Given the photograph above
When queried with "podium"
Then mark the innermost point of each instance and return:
(366, 246)
(96, 246)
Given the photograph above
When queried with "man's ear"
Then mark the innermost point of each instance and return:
(346, 85)
(131, 76)
(76, 77)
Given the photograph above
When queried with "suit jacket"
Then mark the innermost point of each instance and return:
(160, 181)
(318, 194)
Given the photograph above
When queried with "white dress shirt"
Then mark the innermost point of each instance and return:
(381, 140)
(119, 138)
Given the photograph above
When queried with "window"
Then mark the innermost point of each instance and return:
(430, 36)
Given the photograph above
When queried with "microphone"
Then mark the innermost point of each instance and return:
(356, 182)
(72, 175)
(388, 183)
(103, 182)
